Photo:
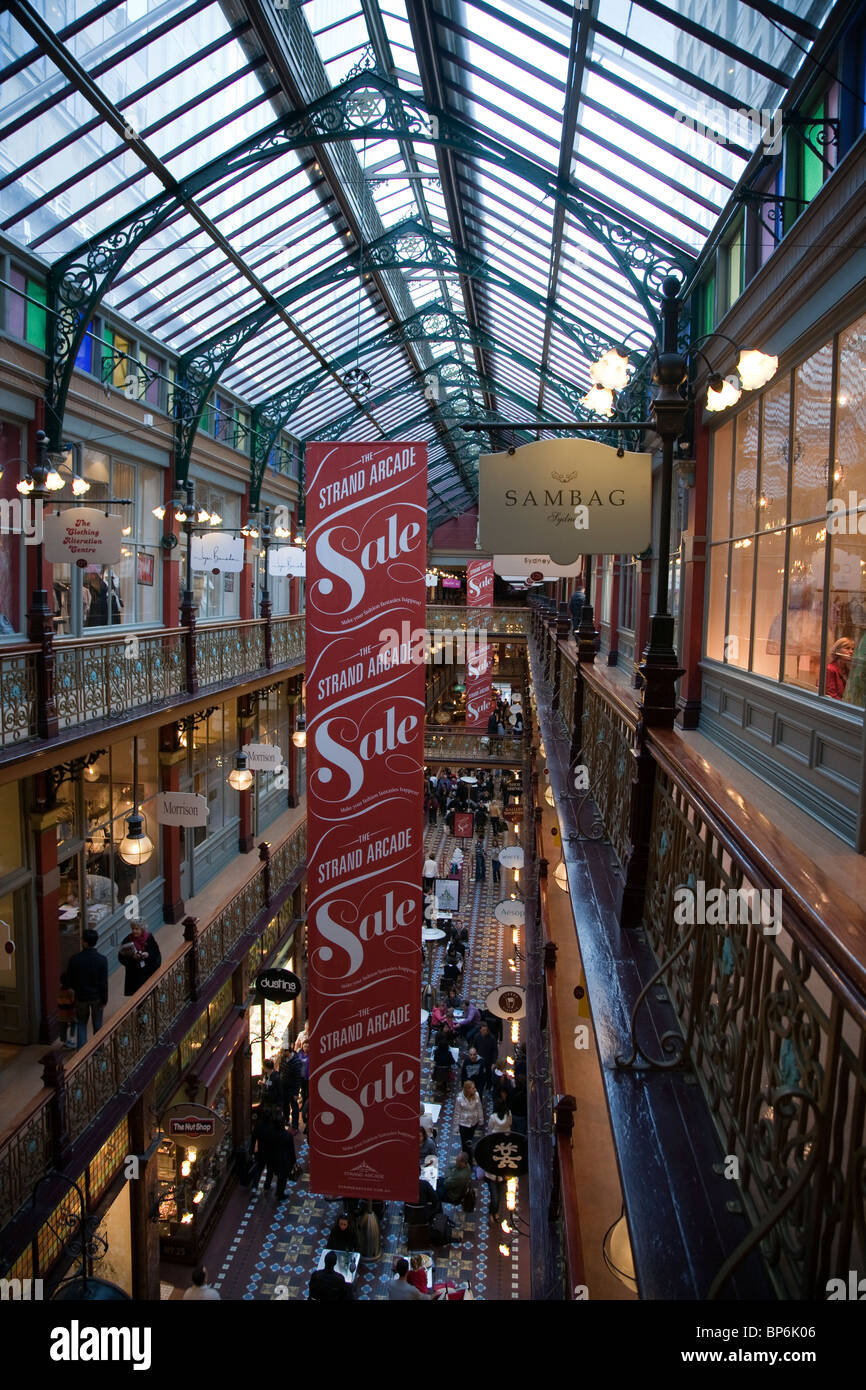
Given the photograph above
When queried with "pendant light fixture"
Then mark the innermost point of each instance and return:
(136, 847)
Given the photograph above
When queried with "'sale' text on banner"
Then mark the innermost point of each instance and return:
(479, 682)
(366, 559)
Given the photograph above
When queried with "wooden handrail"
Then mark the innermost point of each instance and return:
(117, 634)
(833, 937)
(101, 1039)
(568, 1193)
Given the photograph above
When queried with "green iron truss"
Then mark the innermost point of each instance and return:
(368, 106)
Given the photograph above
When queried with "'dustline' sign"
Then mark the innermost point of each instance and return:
(366, 565)
(280, 986)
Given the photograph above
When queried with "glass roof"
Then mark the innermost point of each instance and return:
(573, 131)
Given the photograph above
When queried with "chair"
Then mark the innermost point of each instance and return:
(416, 1225)
(418, 1237)
(441, 1080)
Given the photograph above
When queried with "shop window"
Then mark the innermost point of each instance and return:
(785, 598)
(211, 753)
(84, 356)
(129, 592)
(190, 1179)
(25, 316)
(194, 1041)
(218, 595)
(733, 265)
(12, 548)
(706, 306)
(606, 587)
(219, 1007)
(60, 1230)
(94, 880)
(106, 1163)
(152, 379)
(627, 593)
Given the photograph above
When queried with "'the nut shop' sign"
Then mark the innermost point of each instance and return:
(82, 536)
(192, 1125)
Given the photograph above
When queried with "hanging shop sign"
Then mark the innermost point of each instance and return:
(82, 536)
(450, 581)
(532, 569)
(287, 561)
(479, 681)
(510, 912)
(280, 986)
(181, 808)
(504, 1154)
(264, 757)
(508, 1001)
(464, 823)
(366, 520)
(564, 498)
(217, 554)
(511, 857)
(193, 1126)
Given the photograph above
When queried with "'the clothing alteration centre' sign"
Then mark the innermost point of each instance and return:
(563, 498)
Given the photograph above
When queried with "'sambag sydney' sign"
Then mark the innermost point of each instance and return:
(565, 497)
(366, 557)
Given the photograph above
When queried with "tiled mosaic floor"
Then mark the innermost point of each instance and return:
(265, 1250)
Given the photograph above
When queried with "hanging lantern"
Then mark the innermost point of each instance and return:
(136, 847)
(240, 776)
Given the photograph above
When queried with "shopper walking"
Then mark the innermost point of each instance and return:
(469, 1113)
(140, 956)
(480, 862)
(87, 976)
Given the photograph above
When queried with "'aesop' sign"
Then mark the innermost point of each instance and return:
(564, 498)
(366, 566)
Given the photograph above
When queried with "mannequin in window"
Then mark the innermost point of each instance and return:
(116, 600)
(97, 610)
(61, 606)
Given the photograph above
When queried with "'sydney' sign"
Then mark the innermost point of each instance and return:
(564, 498)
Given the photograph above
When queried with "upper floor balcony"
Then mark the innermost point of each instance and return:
(88, 679)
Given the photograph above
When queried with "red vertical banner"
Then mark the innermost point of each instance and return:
(365, 650)
(479, 682)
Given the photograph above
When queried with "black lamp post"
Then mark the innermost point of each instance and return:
(40, 618)
(659, 666)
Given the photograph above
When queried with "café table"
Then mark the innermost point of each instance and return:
(348, 1262)
(433, 1109)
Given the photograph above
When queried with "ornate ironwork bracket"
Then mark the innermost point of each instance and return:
(674, 1045)
(76, 285)
(824, 130)
(774, 206)
(71, 771)
(800, 1183)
